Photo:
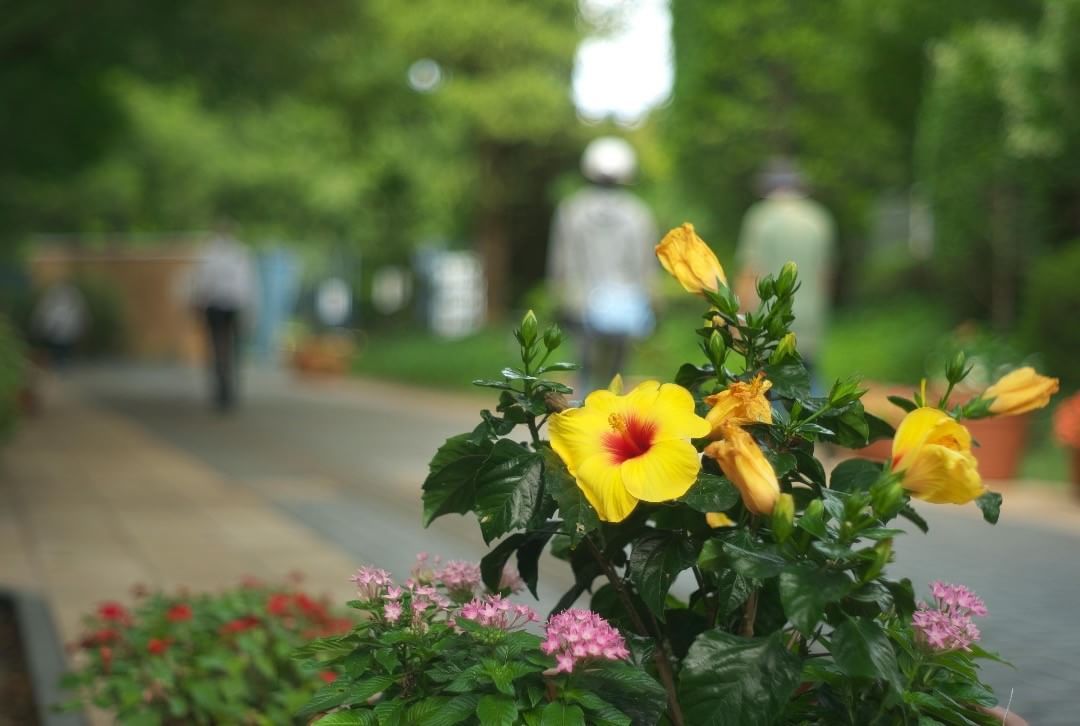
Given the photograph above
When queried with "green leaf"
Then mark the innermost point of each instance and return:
(507, 487)
(599, 709)
(347, 718)
(990, 504)
(528, 547)
(450, 488)
(690, 375)
(879, 428)
(655, 561)
(558, 367)
(337, 694)
(711, 493)
(905, 403)
(558, 713)
(804, 593)
(454, 711)
(578, 516)
(759, 564)
(862, 649)
(813, 521)
(628, 688)
(789, 379)
(855, 475)
(727, 680)
(908, 512)
(497, 711)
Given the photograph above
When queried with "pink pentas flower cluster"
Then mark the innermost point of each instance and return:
(461, 579)
(576, 636)
(494, 611)
(947, 625)
(371, 583)
(511, 581)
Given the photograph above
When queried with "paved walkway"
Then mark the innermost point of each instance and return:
(127, 478)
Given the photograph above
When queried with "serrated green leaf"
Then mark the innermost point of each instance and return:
(711, 493)
(507, 487)
(759, 564)
(727, 680)
(558, 713)
(804, 593)
(626, 687)
(862, 649)
(655, 561)
(855, 475)
(450, 488)
(454, 711)
(496, 711)
(990, 504)
(908, 512)
(347, 718)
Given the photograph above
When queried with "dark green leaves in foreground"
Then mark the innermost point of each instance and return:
(728, 680)
(990, 504)
(499, 481)
(862, 649)
(655, 561)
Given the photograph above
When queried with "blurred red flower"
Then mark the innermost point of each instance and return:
(179, 613)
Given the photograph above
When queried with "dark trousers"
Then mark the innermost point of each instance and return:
(224, 333)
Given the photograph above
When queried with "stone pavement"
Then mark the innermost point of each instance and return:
(126, 477)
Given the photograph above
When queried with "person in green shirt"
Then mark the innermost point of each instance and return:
(787, 225)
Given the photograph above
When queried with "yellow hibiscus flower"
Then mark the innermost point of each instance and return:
(744, 463)
(625, 449)
(933, 452)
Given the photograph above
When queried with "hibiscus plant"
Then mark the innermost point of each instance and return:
(697, 517)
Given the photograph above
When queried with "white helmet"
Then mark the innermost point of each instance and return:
(609, 159)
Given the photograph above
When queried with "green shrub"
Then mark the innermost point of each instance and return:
(12, 371)
(1053, 299)
(204, 659)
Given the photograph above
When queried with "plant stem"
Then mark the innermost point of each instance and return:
(750, 614)
(660, 653)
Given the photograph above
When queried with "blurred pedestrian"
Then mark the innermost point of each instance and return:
(601, 266)
(59, 320)
(789, 226)
(225, 294)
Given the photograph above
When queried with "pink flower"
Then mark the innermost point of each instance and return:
(494, 611)
(947, 624)
(422, 572)
(575, 636)
(511, 580)
(370, 583)
(392, 611)
(461, 579)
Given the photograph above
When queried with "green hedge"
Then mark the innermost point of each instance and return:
(1053, 300)
(12, 370)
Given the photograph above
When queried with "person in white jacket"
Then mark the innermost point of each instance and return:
(224, 293)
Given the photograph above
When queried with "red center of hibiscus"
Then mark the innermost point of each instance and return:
(629, 438)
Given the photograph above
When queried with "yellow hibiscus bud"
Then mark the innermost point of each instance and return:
(717, 520)
(742, 461)
(933, 452)
(740, 404)
(689, 260)
(1021, 391)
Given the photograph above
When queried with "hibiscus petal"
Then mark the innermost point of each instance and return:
(665, 472)
(576, 434)
(602, 483)
(671, 407)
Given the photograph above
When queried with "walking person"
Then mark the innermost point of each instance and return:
(601, 265)
(788, 226)
(225, 295)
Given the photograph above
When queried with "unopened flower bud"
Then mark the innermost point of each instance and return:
(553, 337)
(529, 328)
(717, 349)
(766, 286)
(555, 402)
(784, 349)
(815, 509)
(887, 498)
(954, 370)
(882, 555)
(785, 282)
(844, 392)
(783, 517)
